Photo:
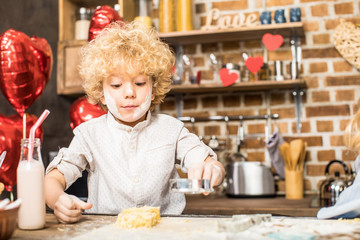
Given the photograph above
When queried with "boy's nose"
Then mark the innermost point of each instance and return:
(129, 90)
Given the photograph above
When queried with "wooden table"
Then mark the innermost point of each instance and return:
(196, 205)
(277, 206)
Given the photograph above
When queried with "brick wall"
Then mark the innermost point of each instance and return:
(329, 102)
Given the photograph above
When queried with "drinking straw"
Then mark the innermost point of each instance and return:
(32, 133)
(24, 126)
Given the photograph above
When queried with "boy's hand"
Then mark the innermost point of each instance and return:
(68, 208)
(209, 169)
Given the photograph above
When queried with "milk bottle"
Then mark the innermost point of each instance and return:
(30, 187)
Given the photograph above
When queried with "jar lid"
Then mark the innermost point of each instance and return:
(231, 66)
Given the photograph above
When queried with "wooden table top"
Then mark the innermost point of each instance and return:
(196, 205)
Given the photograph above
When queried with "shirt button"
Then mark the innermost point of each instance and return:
(136, 179)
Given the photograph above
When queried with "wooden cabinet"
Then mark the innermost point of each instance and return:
(69, 82)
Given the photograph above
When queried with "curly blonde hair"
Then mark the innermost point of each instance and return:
(352, 134)
(134, 47)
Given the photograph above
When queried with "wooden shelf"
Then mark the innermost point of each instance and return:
(242, 34)
(239, 87)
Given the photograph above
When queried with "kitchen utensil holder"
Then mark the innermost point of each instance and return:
(294, 184)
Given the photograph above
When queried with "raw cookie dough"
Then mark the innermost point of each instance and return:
(138, 217)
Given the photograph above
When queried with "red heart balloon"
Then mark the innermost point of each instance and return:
(254, 63)
(227, 78)
(81, 111)
(272, 42)
(102, 17)
(25, 68)
(11, 133)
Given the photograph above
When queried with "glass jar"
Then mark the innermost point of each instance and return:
(82, 23)
(233, 68)
(30, 186)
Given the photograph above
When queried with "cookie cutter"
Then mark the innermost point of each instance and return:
(192, 186)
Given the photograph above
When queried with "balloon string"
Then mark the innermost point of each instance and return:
(32, 133)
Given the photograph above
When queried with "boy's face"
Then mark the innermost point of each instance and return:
(128, 97)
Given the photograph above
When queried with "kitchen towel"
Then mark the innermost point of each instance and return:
(276, 160)
(348, 204)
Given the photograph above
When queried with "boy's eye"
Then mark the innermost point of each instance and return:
(115, 85)
(141, 83)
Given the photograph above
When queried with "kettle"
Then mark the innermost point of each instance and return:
(332, 186)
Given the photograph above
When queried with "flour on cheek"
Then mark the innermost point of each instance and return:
(138, 112)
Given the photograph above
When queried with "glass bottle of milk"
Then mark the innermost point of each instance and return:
(30, 187)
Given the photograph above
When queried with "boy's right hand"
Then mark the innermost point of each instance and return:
(68, 208)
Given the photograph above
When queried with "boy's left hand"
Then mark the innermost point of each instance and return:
(209, 169)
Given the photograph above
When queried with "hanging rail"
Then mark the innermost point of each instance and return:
(228, 118)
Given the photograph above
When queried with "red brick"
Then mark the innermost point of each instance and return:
(200, 8)
(256, 156)
(322, 111)
(313, 170)
(283, 112)
(342, 80)
(196, 114)
(167, 105)
(190, 103)
(228, 46)
(344, 8)
(305, 127)
(320, 10)
(337, 140)
(277, 98)
(312, 141)
(320, 96)
(231, 101)
(212, 130)
(318, 67)
(311, 82)
(342, 66)
(199, 62)
(231, 5)
(325, 155)
(254, 143)
(253, 100)
(321, 38)
(256, 128)
(345, 95)
(324, 126)
(283, 127)
(209, 102)
(245, 112)
(272, 3)
(320, 53)
(311, 26)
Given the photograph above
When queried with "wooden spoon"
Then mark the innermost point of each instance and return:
(302, 157)
(296, 147)
(284, 152)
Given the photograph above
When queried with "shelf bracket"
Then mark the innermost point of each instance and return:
(298, 93)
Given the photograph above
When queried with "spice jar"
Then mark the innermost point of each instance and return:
(166, 16)
(233, 68)
(82, 23)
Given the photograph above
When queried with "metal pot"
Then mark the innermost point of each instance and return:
(332, 186)
(249, 179)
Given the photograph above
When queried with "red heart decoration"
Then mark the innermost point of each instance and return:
(272, 42)
(102, 17)
(254, 63)
(11, 133)
(81, 111)
(227, 78)
(25, 68)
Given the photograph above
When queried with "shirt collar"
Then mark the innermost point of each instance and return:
(111, 121)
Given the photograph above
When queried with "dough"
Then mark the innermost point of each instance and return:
(239, 223)
(138, 217)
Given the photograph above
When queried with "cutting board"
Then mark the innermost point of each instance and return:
(176, 228)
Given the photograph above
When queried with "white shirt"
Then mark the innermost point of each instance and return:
(130, 166)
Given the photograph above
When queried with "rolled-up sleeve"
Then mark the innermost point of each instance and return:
(191, 151)
(72, 161)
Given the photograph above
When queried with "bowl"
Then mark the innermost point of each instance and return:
(8, 222)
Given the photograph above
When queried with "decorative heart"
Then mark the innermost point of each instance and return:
(102, 17)
(272, 42)
(81, 111)
(254, 63)
(11, 133)
(347, 41)
(227, 78)
(25, 68)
